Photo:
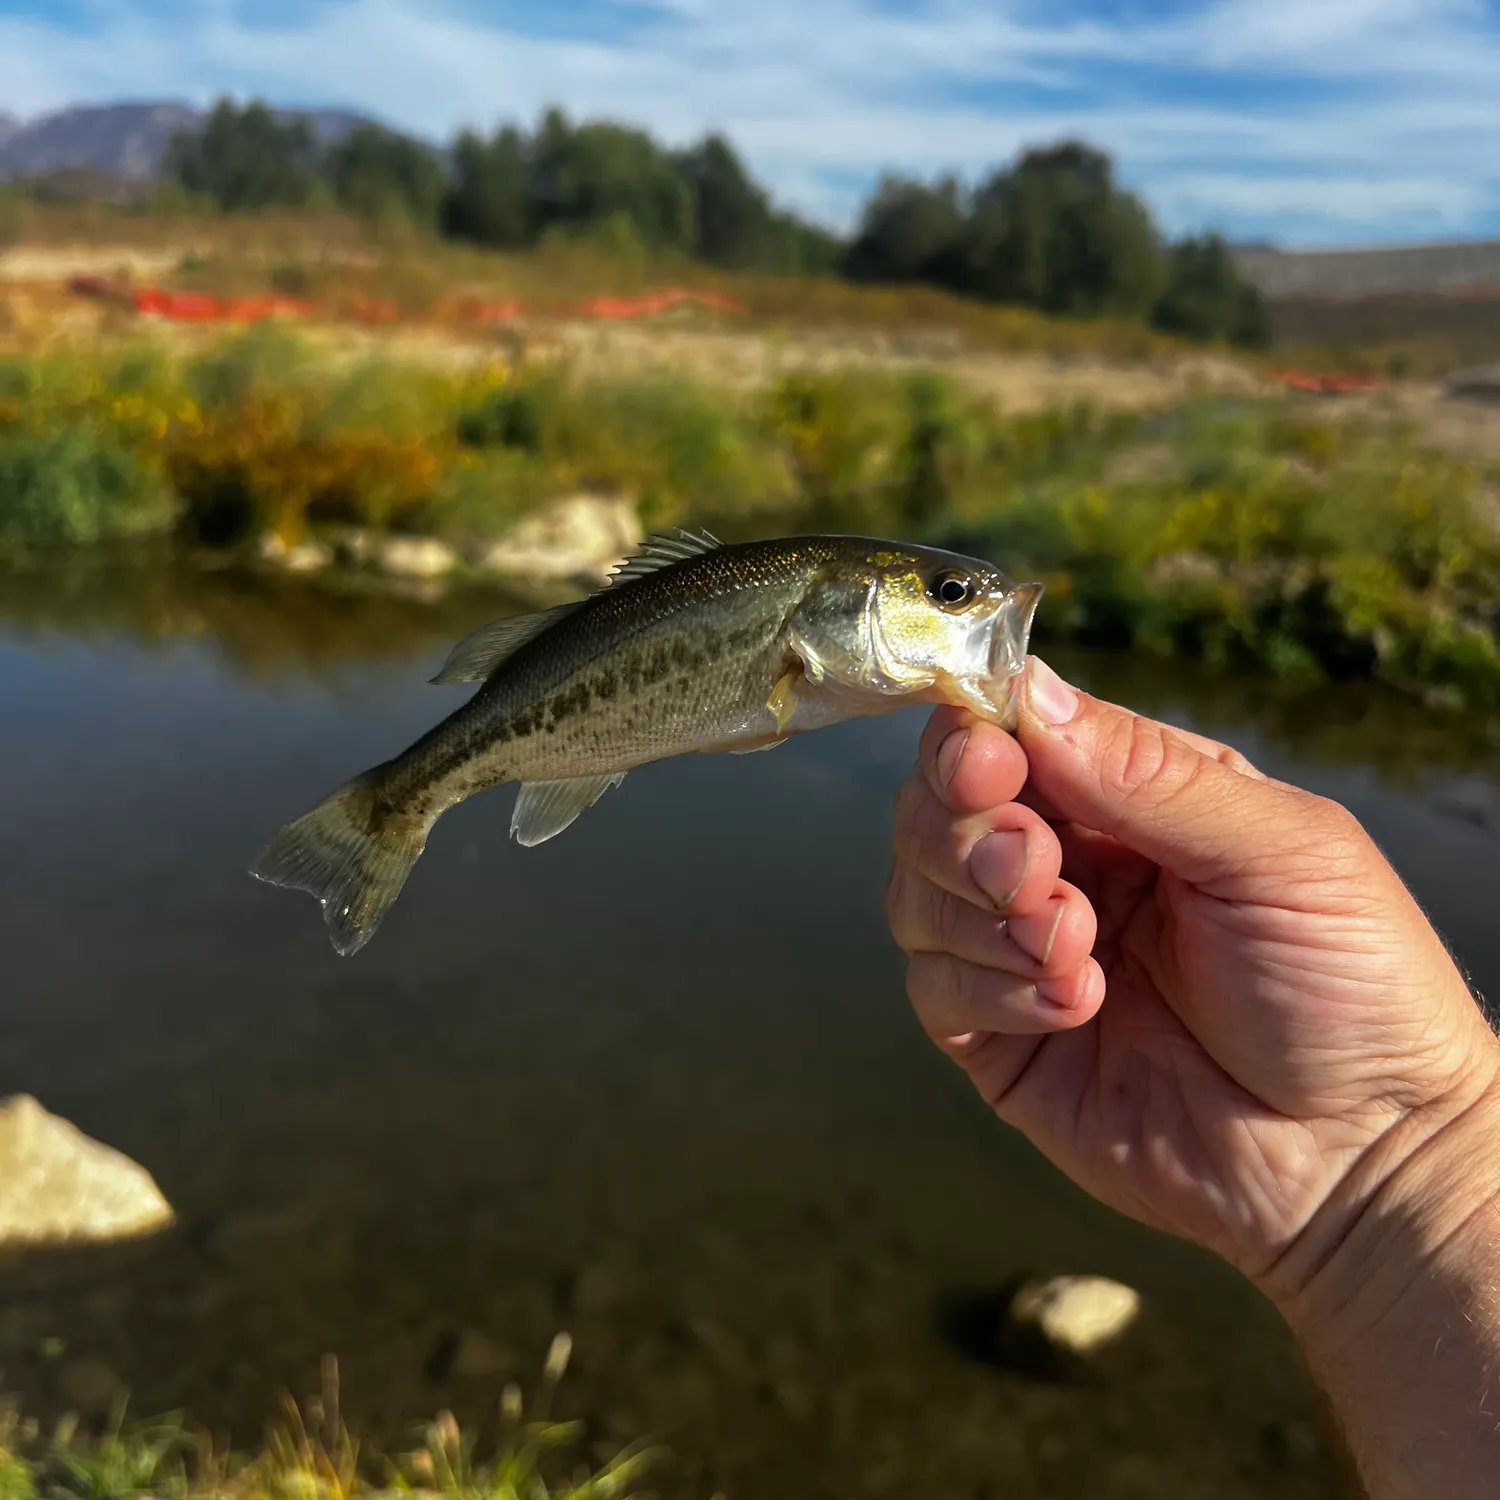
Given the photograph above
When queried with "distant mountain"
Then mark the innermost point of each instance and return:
(122, 141)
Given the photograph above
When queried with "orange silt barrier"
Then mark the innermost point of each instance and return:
(198, 307)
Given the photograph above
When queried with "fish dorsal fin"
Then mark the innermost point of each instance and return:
(544, 808)
(661, 550)
(481, 651)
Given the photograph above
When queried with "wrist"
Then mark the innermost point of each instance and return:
(1411, 1192)
(1399, 1311)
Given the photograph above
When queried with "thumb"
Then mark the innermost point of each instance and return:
(1199, 813)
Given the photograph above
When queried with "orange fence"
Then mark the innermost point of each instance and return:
(198, 307)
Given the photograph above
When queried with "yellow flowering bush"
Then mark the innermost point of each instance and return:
(1245, 530)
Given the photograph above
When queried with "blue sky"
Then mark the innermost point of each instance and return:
(1307, 121)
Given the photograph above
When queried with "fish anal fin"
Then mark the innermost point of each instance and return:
(477, 655)
(544, 808)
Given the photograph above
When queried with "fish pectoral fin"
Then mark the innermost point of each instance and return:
(544, 808)
(783, 700)
(482, 650)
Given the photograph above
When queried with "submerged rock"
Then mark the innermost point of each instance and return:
(292, 557)
(1061, 1324)
(574, 540)
(57, 1186)
(423, 557)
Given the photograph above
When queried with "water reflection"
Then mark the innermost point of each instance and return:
(262, 626)
(655, 1082)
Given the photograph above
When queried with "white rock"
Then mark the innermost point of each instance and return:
(59, 1186)
(579, 538)
(1076, 1316)
(301, 557)
(415, 557)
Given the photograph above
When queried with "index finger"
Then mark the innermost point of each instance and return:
(970, 764)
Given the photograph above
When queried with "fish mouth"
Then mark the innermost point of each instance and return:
(1012, 629)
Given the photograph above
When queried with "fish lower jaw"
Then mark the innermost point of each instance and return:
(992, 697)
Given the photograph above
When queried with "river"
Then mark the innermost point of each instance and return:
(654, 1082)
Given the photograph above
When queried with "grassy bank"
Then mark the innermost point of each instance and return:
(1245, 532)
(351, 270)
(310, 1454)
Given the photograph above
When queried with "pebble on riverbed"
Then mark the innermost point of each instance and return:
(57, 1186)
(1062, 1325)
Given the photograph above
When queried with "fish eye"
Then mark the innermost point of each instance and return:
(952, 590)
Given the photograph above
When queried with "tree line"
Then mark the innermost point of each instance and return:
(1053, 230)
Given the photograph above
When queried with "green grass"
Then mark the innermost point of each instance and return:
(309, 1453)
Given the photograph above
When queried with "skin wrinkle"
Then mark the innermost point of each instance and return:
(1285, 1069)
(1369, 1202)
(1248, 1212)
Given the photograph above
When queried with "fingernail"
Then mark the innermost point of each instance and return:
(1051, 699)
(949, 754)
(1041, 952)
(998, 864)
(1059, 994)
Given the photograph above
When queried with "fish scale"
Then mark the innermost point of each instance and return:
(692, 647)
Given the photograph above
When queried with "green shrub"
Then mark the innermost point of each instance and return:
(75, 486)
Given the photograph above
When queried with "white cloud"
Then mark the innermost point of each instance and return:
(1341, 118)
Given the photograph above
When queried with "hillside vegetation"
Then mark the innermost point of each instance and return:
(1053, 231)
(1240, 529)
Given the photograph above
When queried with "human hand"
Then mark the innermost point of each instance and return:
(1231, 1021)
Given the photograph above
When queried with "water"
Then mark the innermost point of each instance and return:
(654, 1082)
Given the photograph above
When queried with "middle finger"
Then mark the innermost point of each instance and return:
(1004, 860)
(1053, 941)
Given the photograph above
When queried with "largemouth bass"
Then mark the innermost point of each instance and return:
(692, 646)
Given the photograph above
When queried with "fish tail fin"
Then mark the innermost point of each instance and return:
(353, 852)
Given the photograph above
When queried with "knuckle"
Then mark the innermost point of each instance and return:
(891, 889)
(898, 905)
(937, 843)
(1337, 833)
(910, 798)
(923, 984)
(1142, 758)
(944, 918)
(939, 987)
(1232, 760)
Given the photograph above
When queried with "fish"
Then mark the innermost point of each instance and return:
(693, 645)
